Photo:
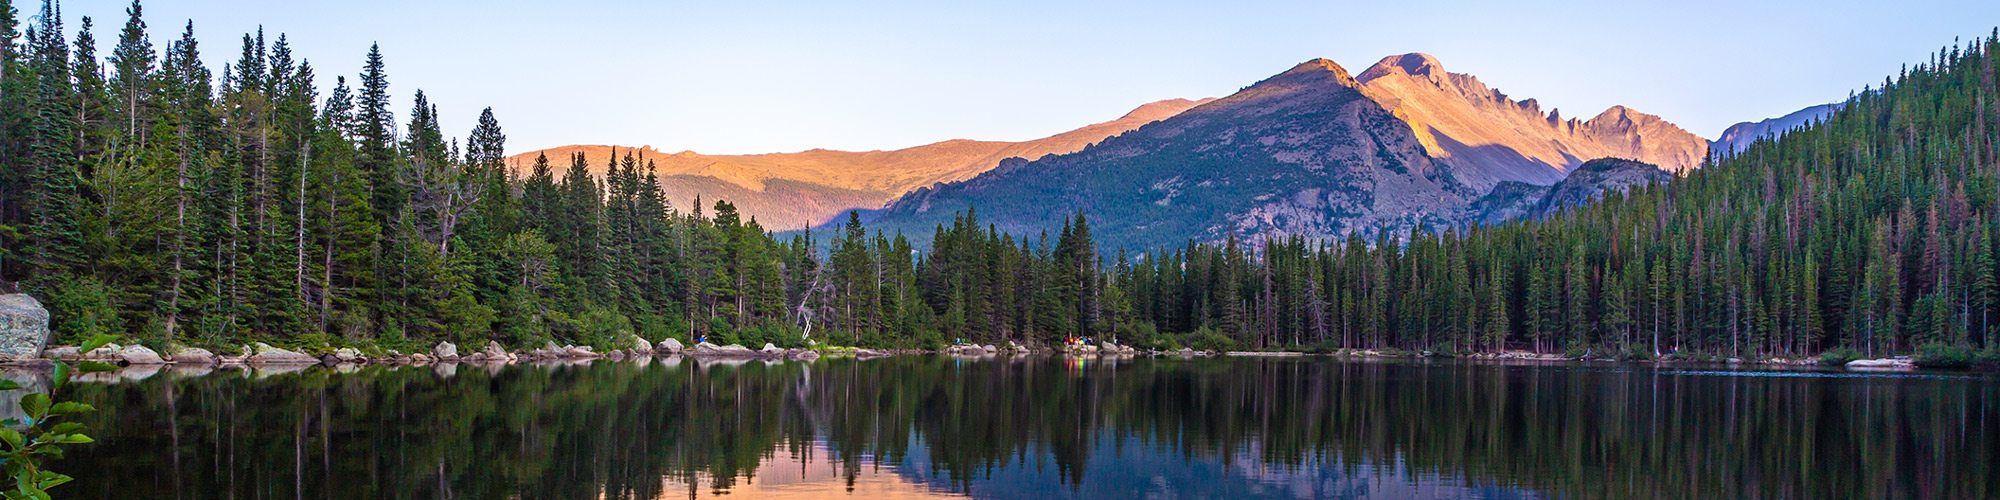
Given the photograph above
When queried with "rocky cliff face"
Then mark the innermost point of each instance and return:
(1587, 183)
(796, 190)
(1741, 135)
(1488, 137)
(1305, 152)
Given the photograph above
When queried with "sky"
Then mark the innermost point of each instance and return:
(763, 76)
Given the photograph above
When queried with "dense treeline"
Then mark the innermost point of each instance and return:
(1872, 231)
(144, 195)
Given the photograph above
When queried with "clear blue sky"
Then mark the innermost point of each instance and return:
(752, 76)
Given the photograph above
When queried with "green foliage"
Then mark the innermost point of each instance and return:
(170, 205)
(1944, 355)
(1838, 356)
(82, 308)
(48, 425)
(602, 328)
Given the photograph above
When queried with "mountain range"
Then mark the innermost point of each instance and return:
(1314, 151)
(798, 190)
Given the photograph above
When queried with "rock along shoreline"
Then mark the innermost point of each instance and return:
(262, 355)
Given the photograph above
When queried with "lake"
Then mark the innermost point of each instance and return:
(1039, 426)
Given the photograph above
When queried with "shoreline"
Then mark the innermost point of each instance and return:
(260, 357)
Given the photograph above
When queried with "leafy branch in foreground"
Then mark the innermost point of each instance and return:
(41, 432)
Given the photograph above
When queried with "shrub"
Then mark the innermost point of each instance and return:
(1839, 356)
(1943, 355)
(1205, 339)
(1321, 347)
(81, 308)
(1637, 352)
(602, 328)
(1576, 351)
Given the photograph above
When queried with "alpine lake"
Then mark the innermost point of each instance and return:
(1037, 426)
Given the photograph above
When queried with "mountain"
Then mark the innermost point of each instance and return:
(1312, 151)
(1305, 152)
(1491, 138)
(1585, 184)
(1739, 136)
(794, 190)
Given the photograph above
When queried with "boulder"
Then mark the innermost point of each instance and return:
(139, 355)
(670, 346)
(802, 354)
(989, 348)
(445, 351)
(640, 345)
(494, 352)
(579, 352)
(348, 355)
(725, 351)
(24, 326)
(264, 354)
(1016, 346)
(1881, 363)
(195, 356)
(66, 352)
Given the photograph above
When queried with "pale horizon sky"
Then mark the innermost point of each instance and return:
(758, 77)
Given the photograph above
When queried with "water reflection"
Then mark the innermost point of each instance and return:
(1035, 427)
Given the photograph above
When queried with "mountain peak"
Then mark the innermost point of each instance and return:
(1320, 66)
(1413, 64)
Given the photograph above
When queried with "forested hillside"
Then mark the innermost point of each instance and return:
(147, 195)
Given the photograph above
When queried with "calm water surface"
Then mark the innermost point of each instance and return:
(1046, 427)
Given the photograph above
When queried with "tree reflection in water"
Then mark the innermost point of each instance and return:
(1037, 426)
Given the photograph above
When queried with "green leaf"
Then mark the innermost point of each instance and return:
(66, 428)
(35, 404)
(65, 439)
(54, 479)
(8, 385)
(95, 367)
(61, 376)
(70, 408)
(12, 437)
(96, 342)
(26, 485)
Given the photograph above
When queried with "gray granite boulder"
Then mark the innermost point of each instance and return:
(184, 355)
(494, 352)
(445, 351)
(24, 326)
(670, 346)
(140, 355)
(724, 351)
(264, 354)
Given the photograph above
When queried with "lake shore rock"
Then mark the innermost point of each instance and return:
(264, 354)
(669, 346)
(1882, 364)
(446, 351)
(192, 356)
(24, 326)
(705, 349)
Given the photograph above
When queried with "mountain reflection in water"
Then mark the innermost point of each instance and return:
(1034, 427)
